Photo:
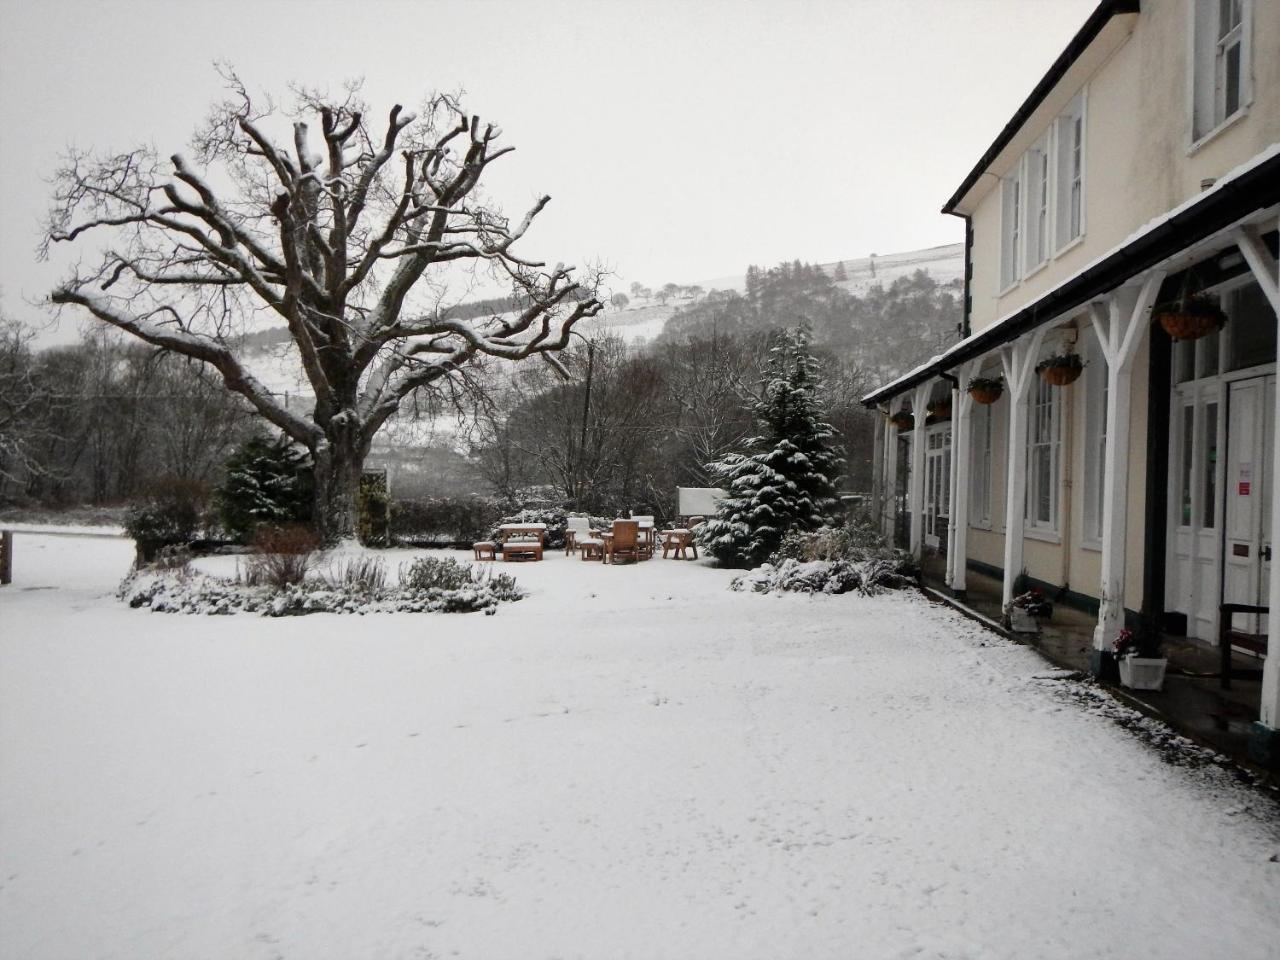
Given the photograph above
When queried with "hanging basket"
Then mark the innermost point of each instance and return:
(1191, 318)
(902, 420)
(939, 411)
(986, 392)
(1060, 371)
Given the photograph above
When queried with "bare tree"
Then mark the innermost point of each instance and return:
(25, 405)
(353, 246)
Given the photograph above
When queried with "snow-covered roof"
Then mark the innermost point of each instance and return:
(1252, 186)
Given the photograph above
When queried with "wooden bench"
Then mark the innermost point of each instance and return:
(522, 550)
(1229, 637)
(484, 550)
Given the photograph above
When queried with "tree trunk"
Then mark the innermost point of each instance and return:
(339, 463)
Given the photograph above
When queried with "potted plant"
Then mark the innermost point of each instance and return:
(986, 390)
(1061, 368)
(1191, 316)
(1138, 655)
(903, 420)
(1022, 614)
(939, 410)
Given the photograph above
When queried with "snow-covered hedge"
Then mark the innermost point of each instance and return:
(832, 560)
(823, 576)
(437, 590)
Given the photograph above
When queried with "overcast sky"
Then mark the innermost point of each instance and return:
(678, 141)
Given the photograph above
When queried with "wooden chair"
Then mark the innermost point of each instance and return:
(625, 541)
(648, 532)
(677, 542)
(576, 530)
(1229, 637)
(591, 548)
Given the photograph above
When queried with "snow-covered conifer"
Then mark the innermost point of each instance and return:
(788, 482)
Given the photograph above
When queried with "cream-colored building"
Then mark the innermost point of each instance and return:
(1142, 170)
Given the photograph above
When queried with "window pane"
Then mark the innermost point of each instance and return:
(1253, 327)
(1207, 361)
(1231, 81)
(1209, 504)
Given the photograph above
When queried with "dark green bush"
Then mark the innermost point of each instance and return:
(443, 521)
(170, 516)
(267, 482)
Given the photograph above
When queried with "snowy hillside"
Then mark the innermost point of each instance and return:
(278, 367)
(644, 319)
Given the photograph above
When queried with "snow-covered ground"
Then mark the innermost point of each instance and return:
(632, 762)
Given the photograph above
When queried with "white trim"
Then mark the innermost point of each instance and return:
(1225, 125)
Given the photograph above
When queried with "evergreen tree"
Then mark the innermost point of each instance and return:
(841, 273)
(268, 481)
(789, 482)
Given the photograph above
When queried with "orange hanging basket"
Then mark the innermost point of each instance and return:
(1060, 371)
(902, 420)
(985, 391)
(940, 410)
(1191, 318)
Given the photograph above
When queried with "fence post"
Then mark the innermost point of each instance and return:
(6, 557)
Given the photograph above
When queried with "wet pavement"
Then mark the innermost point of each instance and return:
(1192, 701)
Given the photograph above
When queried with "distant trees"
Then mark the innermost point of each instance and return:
(840, 274)
(104, 420)
(620, 301)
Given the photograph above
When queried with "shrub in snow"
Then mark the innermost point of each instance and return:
(832, 560)
(788, 483)
(373, 521)
(282, 556)
(170, 516)
(358, 587)
(360, 573)
(267, 482)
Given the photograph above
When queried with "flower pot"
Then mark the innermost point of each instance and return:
(1189, 324)
(1021, 621)
(1060, 376)
(939, 412)
(903, 421)
(985, 395)
(1142, 673)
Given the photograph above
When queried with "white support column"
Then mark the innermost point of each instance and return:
(890, 474)
(877, 466)
(961, 438)
(1019, 361)
(919, 400)
(1120, 326)
(952, 481)
(1266, 271)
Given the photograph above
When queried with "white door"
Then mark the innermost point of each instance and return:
(1194, 581)
(1247, 557)
(937, 485)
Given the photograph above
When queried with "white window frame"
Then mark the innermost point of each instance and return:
(1068, 169)
(981, 451)
(1037, 194)
(1206, 80)
(1044, 395)
(1095, 445)
(1012, 199)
